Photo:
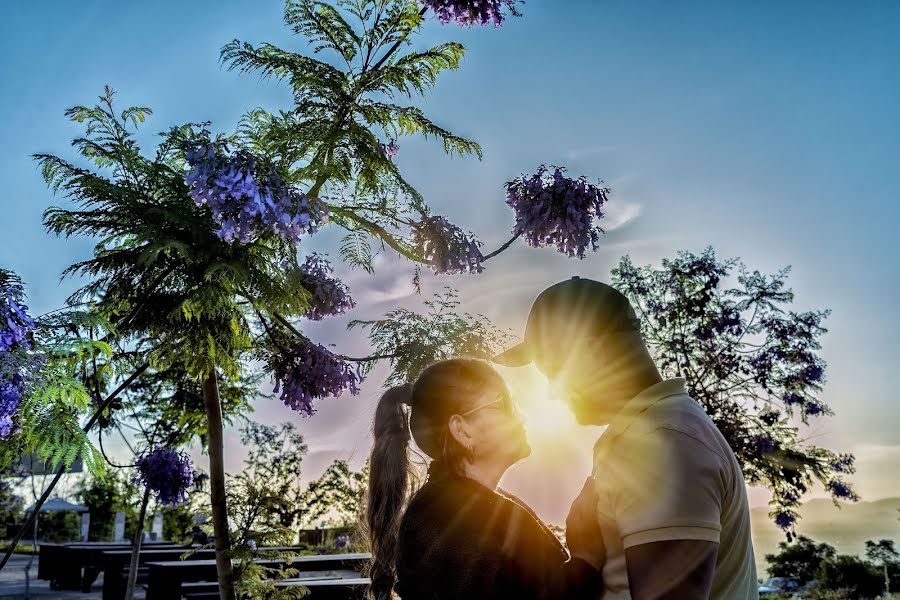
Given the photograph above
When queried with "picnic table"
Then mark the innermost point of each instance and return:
(165, 578)
(115, 563)
(320, 588)
(63, 563)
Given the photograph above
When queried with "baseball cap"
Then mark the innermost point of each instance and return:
(572, 307)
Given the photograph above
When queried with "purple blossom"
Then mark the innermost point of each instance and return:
(11, 390)
(764, 444)
(342, 541)
(555, 210)
(329, 295)
(166, 472)
(246, 198)
(309, 371)
(445, 247)
(390, 149)
(16, 328)
(471, 12)
(844, 463)
(785, 520)
(15, 323)
(841, 490)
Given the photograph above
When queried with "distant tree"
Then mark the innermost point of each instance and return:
(339, 491)
(104, 496)
(12, 504)
(749, 360)
(800, 559)
(859, 578)
(884, 555)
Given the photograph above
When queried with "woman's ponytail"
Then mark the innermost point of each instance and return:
(389, 486)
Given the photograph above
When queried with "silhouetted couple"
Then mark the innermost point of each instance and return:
(664, 513)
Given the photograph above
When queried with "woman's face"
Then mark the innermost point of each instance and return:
(497, 429)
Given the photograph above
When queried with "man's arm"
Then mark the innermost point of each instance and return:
(680, 569)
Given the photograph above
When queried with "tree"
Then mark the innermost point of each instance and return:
(339, 491)
(750, 362)
(197, 260)
(857, 577)
(883, 554)
(799, 559)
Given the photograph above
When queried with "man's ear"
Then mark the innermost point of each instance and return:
(459, 429)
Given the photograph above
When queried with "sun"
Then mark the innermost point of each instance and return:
(547, 419)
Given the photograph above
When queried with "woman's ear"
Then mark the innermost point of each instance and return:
(459, 429)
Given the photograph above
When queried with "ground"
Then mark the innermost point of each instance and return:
(13, 583)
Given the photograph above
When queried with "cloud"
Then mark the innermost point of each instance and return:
(577, 153)
(618, 214)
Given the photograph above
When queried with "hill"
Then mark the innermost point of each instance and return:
(846, 528)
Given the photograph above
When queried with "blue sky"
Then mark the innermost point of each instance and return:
(768, 130)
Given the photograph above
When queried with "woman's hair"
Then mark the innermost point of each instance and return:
(443, 389)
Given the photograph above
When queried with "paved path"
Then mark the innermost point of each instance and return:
(12, 584)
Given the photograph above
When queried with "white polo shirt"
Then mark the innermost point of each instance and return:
(664, 472)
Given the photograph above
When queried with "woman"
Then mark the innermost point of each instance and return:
(459, 536)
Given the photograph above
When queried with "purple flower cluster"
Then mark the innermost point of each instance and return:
(15, 324)
(329, 296)
(246, 198)
(166, 472)
(841, 490)
(552, 209)
(342, 541)
(471, 12)
(16, 327)
(844, 463)
(445, 247)
(11, 389)
(785, 520)
(309, 371)
(390, 149)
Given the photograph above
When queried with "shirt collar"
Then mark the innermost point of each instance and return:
(637, 405)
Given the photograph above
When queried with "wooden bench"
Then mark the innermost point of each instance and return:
(325, 588)
(72, 566)
(165, 578)
(116, 563)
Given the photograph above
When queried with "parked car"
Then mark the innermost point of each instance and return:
(780, 586)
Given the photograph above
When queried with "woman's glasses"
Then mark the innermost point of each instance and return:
(504, 401)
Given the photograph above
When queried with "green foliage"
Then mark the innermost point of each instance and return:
(265, 498)
(169, 401)
(411, 341)
(64, 365)
(104, 497)
(750, 361)
(858, 578)
(159, 272)
(800, 559)
(340, 494)
(341, 115)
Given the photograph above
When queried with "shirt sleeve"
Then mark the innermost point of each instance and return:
(666, 485)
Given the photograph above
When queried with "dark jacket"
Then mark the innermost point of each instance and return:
(460, 540)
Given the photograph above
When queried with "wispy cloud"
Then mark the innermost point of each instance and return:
(577, 153)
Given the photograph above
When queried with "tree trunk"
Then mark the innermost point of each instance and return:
(217, 487)
(136, 547)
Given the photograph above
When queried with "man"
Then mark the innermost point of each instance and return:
(672, 507)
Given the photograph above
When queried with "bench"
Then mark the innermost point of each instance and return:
(165, 578)
(62, 564)
(325, 588)
(116, 562)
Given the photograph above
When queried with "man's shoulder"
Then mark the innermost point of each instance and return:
(676, 426)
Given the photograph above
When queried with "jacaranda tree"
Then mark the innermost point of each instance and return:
(197, 260)
(750, 361)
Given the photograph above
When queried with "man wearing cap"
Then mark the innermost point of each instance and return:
(672, 506)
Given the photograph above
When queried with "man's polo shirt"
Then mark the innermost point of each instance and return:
(664, 472)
